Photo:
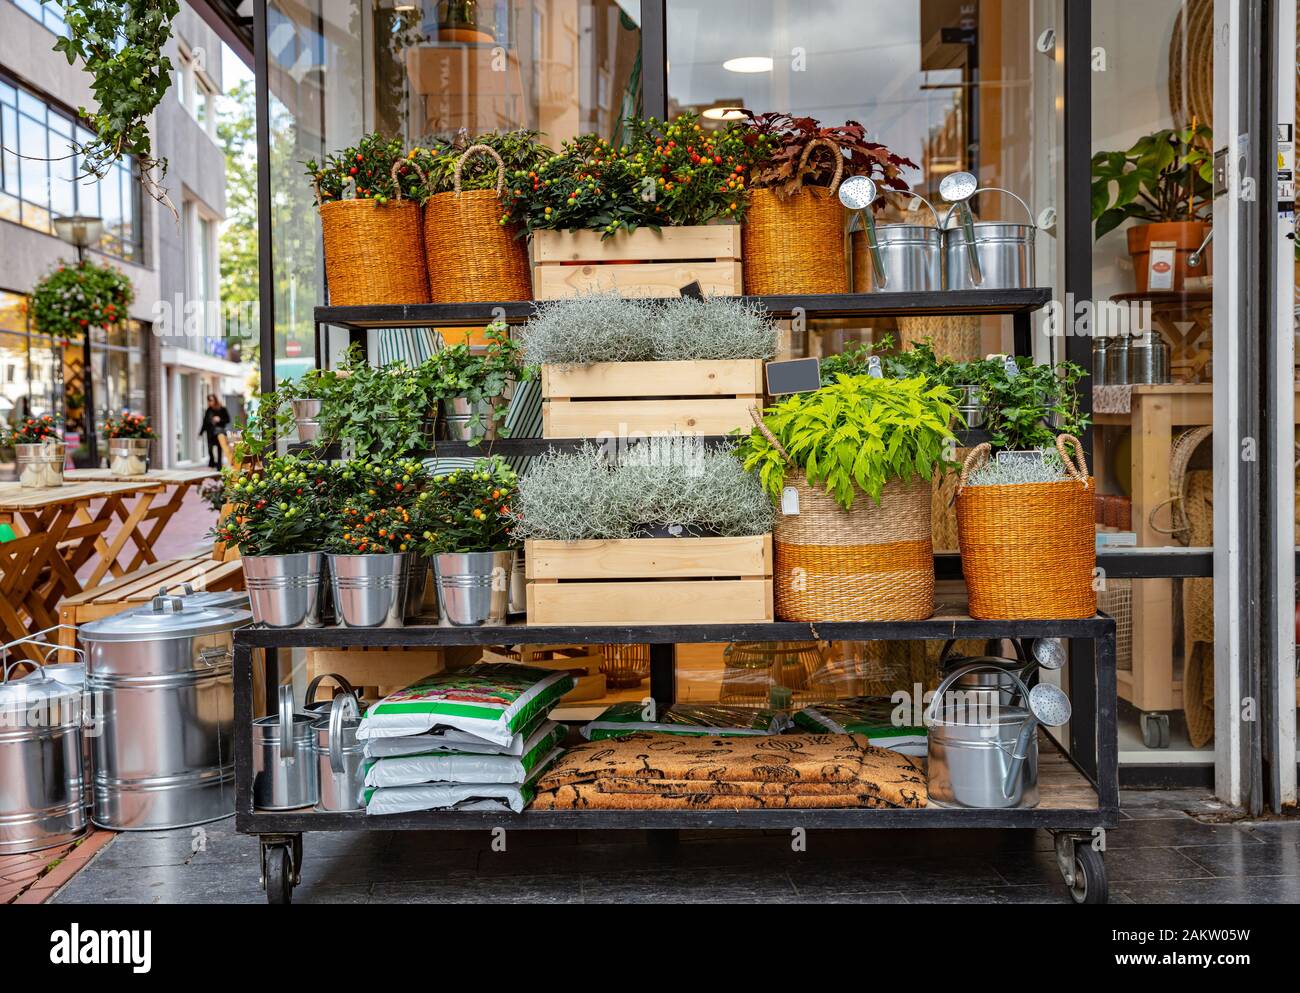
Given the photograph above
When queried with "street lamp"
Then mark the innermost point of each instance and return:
(81, 232)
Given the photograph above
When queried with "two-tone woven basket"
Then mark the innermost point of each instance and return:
(874, 562)
(374, 253)
(473, 257)
(1028, 550)
(796, 244)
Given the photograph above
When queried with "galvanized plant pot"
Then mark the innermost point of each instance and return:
(473, 587)
(284, 590)
(40, 466)
(128, 456)
(369, 590)
(417, 584)
(306, 415)
(460, 413)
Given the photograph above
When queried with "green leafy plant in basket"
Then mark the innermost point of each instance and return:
(854, 436)
(1030, 409)
(520, 150)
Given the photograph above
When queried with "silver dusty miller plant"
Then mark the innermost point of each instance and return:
(660, 486)
(1049, 470)
(607, 328)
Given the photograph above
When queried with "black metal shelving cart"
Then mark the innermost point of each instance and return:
(1079, 790)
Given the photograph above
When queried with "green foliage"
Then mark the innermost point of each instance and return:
(270, 417)
(380, 411)
(854, 436)
(31, 431)
(236, 133)
(120, 43)
(367, 170)
(521, 151)
(1165, 176)
(1032, 408)
(279, 509)
(467, 510)
(480, 375)
(73, 298)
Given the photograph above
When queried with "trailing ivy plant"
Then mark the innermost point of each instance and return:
(854, 436)
(481, 375)
(1030, 409)
(382, 412)
(120, 43)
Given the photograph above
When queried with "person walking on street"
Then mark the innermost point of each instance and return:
(215, 420)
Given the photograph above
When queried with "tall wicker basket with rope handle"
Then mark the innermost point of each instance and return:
(374, 253)
(796, 244)
(874, 562)
(474, 258)
(1029, 550)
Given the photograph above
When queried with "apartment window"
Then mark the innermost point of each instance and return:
(50, 14)
(41, 177)
(195, 91)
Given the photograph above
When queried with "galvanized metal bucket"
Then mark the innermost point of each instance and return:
(128, 456)
(467, 420)
(306, 415)
(989, 255)
(284, 590)
(904, 258)
(284, 769)
(40, 466)
(473, 587)
(369, 590)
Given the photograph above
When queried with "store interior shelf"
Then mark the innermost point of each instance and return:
(837, 305)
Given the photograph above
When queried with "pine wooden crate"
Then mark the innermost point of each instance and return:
(648, 580)
(644, 263)
(621, 398)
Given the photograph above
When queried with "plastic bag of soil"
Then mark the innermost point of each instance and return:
(873, 716)
(490, 700)
(460, 767)
(451, 740)
(629, 718)
(456, 796)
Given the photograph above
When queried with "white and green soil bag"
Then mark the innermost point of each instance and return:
(878, 717)
(490, 700)
(456, 796)
(451, 740)
(459, 767)
(631, 718)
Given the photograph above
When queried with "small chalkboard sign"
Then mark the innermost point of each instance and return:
(794, 376)
(693, 290)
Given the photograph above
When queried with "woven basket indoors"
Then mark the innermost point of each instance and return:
(374, 253)
(797, 244)
(474, 257)
(1028, 550)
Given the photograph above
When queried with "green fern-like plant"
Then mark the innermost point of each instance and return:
(854, 436)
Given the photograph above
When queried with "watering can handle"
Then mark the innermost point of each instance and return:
(343, 684)
(932, 711)
(342, 707)
(286, 722)
(998, 189)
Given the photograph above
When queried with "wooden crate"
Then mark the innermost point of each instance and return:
(622, 398)
(645, 580)
(644, 263)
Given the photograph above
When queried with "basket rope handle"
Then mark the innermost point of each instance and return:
(398, 183)
(834, 149)
(1078, 466)
(767, 433)
(501, 166)
(980, 452)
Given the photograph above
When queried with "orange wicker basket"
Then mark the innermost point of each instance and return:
(474, 258)
(1029, 550)
(374, 253)
(796, 244)
(874, 562)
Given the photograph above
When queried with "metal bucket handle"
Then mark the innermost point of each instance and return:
(343, 685)
(877, 265)
(288, 746)
(36, 667)
(972, 253)
(931, 712)
(342, 707)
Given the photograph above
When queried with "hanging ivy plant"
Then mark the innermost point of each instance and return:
(75, 297)
(120, 43)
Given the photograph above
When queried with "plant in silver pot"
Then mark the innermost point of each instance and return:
(129, 438)
(38, 450)
(473, 385)
(371, 533)
(380, 412)
(463, 521)
(307, 398)
(277, 520)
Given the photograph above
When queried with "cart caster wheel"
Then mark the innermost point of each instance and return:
(279, 874)
(1089, 884)
(1155, 730)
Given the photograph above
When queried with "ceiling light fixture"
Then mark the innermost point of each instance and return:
(749, 63)
(726, 113)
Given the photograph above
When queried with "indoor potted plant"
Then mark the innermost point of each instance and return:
(1165, 181)
(277, 519)
(39, 452)
(462, 523)
(794, 232)
(471, 384)
(381, 411)
(850, 467)
(129, 438)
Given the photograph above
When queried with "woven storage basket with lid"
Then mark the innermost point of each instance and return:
(796, 244)
(874, 562)
(1029, 550)
(374, 253)
(474, 258)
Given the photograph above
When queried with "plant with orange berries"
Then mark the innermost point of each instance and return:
(467, 510)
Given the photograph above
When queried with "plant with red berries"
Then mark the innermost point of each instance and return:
(129, 426)
(366, 171)
(784, 140)
(467, 510)
(74, 298)
(32, 431)
(279, 509)
(362, 530)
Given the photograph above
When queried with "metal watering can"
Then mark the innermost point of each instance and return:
(904, 257)
(985, 255)
(985, 755)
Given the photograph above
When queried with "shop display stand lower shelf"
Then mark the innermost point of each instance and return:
(1080, 796)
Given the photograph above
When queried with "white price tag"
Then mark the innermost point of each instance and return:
(790, 501)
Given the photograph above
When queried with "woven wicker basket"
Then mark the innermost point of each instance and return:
(796, 244)
(474, 257)
(374, 253)
(1029, 550)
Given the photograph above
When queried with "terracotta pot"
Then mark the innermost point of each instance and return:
(1187, 237)
(465, 36)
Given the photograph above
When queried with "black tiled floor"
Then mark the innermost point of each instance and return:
(1160, 852)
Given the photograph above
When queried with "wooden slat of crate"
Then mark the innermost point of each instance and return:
(599, 418)
(670, 558)
(642, 279)
(716, 378)
(661, 262)
(687, 601)
(698, 242)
